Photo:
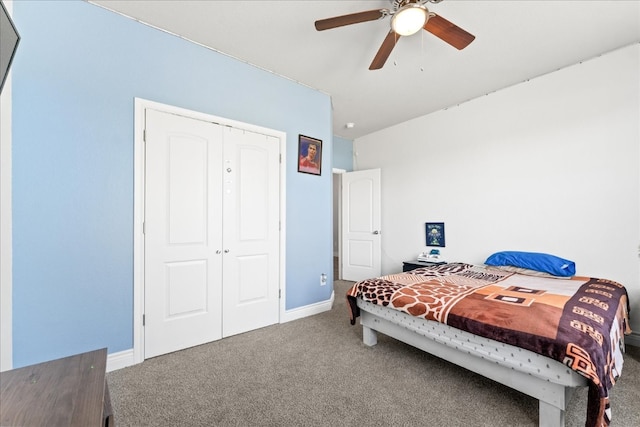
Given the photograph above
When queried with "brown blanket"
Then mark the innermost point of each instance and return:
(579, 322)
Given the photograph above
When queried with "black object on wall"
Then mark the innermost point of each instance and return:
(9, 39)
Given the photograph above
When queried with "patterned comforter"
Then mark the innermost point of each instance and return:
(580, 321)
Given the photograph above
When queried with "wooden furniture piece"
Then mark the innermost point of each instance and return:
(412, 265)
(71, 391)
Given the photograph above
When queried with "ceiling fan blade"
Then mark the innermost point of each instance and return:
(385, 50)
(448, 32)
(353, 18)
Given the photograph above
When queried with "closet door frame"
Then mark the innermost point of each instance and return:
(140, 105)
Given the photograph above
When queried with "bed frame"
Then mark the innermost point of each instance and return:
(540, 377)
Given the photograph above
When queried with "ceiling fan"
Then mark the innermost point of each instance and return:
(407, 18)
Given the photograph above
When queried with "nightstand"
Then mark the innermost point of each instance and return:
(412, 265)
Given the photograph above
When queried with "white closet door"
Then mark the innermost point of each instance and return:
(250, 231)
(183, 238)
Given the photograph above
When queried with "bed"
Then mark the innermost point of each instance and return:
(538, 334)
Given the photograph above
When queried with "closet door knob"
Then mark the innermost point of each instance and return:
(218, 252)
(226, 251)
(229, 170)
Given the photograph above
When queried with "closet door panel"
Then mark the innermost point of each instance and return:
(251, 231)
(183, 236)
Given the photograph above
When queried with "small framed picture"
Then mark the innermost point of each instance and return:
(309, 155)
(434, 232)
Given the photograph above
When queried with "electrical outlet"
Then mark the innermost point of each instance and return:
(323, 279)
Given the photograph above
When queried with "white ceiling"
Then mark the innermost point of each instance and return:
(515, 41)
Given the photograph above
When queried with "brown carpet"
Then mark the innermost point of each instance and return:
(316, 372)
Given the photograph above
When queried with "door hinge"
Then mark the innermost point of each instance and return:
(279, 293)
(280, 158)
(144, 135)
(143, 320)
(144, 227)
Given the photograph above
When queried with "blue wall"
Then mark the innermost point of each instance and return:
(75, 76)
(342, 153)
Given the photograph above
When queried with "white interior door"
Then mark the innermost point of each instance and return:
(251, 231)
(361, 234)
(183, 236)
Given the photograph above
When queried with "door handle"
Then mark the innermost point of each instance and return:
(376, 232)
(226, 251)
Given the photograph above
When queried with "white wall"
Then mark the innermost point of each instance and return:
(6, 337)
(549, 165)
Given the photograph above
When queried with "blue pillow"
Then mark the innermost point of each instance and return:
(534, 261)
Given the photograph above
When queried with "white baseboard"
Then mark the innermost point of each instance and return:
(308, 310)
(125, 358)
(120, 360)
(632, 339)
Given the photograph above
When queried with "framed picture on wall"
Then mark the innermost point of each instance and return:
(434, 233)
(309, 155)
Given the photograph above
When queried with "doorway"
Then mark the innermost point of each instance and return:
(357, 222)
(337, 223)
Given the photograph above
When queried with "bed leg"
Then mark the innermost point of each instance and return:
(550, 416)
(369, 336)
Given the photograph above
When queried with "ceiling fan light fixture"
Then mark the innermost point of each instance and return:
(409, 19)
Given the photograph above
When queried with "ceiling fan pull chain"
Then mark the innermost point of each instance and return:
(422, 50)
